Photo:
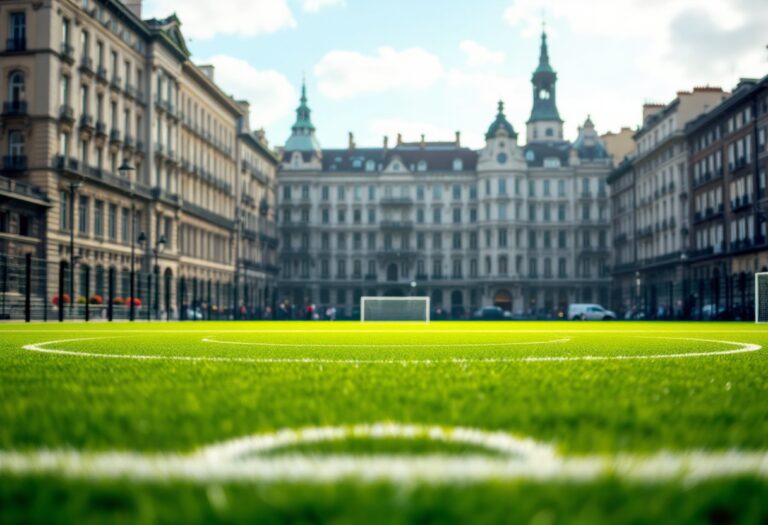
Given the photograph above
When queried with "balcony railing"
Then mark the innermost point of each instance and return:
(86, 64)
(67, 114)
(15, 162)
(15, 107)
(22, 188)
(114, 135)
(86, 122)
(67, 53)
(101, 129)
(16, 44)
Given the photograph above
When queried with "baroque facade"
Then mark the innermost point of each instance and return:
(89, 87)
(524, 227)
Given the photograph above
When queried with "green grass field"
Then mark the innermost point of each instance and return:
(450, 422)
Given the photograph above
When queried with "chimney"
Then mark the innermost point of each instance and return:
(399, 138)
(422, 141)
(458, 139)
(261, 136)
(386, 143)
(134, 6)
(351, 141)
(245, 121)
(650, 109)
(207, 71)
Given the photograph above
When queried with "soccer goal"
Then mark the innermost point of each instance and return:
(761, 297)
(394, 309)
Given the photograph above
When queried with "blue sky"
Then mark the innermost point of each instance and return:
(378, 67)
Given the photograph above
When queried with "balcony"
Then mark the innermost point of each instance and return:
(396, 225)
(22, 188)
(116, 83)
(114, 136)
(396, 201)
(101, 129)
(101, 74)
(67, 53)
(14, 163)
(15, 108)
(86, 123)
(128, 142)
(86, 64)
(67, 114)
(164, 195)
(15, 45)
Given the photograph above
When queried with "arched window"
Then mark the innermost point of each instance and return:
(16, 86)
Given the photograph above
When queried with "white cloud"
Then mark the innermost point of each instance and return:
(411, 130)
(684, 42)
(313, 6)
(478, 55)
(270, 94)
(346, 74)
(208, 18)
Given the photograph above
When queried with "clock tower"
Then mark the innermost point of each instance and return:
(544, 124)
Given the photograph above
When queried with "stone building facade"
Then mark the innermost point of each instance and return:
(89, 87)
(524, 227)
(729, 207)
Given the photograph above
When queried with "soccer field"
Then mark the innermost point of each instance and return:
(464, 422)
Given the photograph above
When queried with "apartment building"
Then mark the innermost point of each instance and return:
(727, 173)
(656, 173)
(90, 88)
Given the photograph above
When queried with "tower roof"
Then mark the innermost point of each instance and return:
(544, 65)
(303, 131)
(543, 80)
(501, 122)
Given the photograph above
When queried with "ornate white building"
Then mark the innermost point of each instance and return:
(524, 227)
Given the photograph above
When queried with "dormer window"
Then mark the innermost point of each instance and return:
(551, 162)
(357, 163)
(395, 166)
(530, 156)
(370, 165)
(458, 165)
(422, 165)
(296, 159)
(549, 132)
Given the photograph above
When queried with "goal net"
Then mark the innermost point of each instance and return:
(394, 309)
(761, 297)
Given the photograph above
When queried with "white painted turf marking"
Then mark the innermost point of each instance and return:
(397, 345)
(242, 459)
(743, 348)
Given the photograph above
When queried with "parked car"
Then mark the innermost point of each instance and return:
(491, 313)
(589, 312)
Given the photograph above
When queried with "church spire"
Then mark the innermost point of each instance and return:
(544, 122)
(303, 131)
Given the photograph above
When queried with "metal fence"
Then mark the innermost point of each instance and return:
(35, 289)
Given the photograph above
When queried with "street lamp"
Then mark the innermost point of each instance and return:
(125, 170)
(73, 187)
(159, 246)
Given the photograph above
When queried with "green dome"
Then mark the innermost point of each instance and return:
(501, 122)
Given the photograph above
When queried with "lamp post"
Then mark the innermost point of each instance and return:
(159, 246)
(125, 170)
(73, 187)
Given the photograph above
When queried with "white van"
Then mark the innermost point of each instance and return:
(589, 312)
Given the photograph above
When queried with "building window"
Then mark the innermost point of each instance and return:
(18, 32)
(112, 222)
(15, 143)
(458, 165)
(16, 86)
(63, 210)
(126, 224)
(98, 218)
(82, 214)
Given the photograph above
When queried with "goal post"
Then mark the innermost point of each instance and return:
(761, 297)
(394, 309)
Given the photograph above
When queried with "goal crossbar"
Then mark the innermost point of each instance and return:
(373, 308)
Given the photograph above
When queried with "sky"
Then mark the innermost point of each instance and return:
(383, 67)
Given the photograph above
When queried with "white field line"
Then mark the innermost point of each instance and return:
(743, 348)
(239, 460)
(397, 345)
(361, 330)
